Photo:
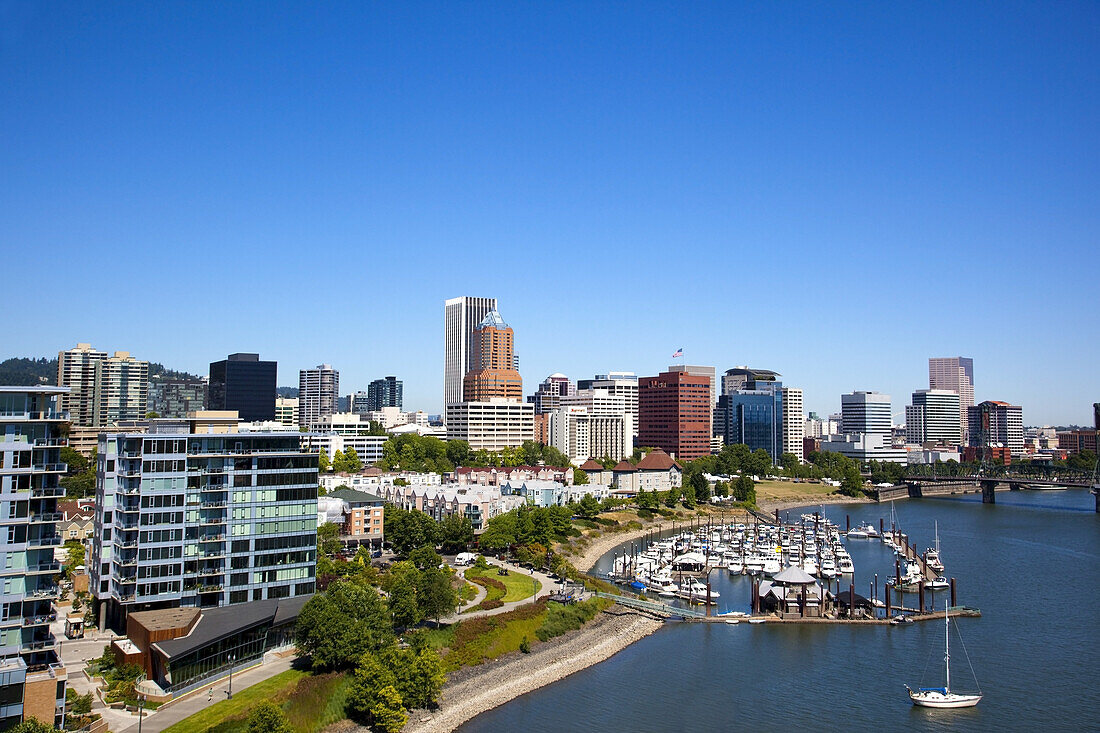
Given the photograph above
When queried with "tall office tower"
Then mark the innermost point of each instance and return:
(121, 389)
(933, 418)
(492, 375)
(674, 414)
(793, 421)
(955, 373)
(548, 397)
(360, 403)
(176, 397)
(317, 391)
(461, 317)
(868, 413)
(193, 513)
(244, 383)
(76, 370)
(709, 373)
(753, 417)
(996, 425)
(623, 384)
(384, 393)
(286, 410)
(32, 679)
(743, 377)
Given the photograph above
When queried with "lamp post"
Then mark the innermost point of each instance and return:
(229, 694)
(141, 709)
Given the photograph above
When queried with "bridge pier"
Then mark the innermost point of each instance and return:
(989, 495)
(1096, 493)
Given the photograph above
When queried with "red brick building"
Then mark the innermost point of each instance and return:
(674, 412)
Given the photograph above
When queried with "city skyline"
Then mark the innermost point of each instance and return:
(659, 161)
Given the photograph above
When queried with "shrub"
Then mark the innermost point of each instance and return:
(560, 619)
(490, 604)
(525, 645)
(267, 717)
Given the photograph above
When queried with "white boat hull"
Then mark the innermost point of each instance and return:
(937, 699)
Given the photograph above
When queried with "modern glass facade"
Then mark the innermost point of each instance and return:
(384, 393)
(245, 384)
(752, 417)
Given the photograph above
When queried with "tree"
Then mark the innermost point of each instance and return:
(435, 596)
(323, 464)
(672, 497)
(458, 452)
(456, 532)
(370, 676)
(580, 478)
(744, 489)
(32, 725)
(74, 460)
(337, 627)
(339, 462)
(758, 463)
(721, 489)
(351, 461)
(421, 678)
(79, 486)
(408, 529)
(648, 500)
(388, 712)
(700, 487)
(499, 534)
(425, 557)
(588, 506)
(267, 717)
(688, 498)
(328, 540)
(401, 585)
(852, 483)
(789, 462)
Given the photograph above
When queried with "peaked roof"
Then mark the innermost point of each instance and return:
(624, 466)
(492, 319)
(657, 460)
(591, 465)
(352, 496)
(794, 576)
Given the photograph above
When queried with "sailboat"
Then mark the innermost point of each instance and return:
(943, 697)
(932, 555)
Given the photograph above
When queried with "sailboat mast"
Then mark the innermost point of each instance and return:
(947, 646)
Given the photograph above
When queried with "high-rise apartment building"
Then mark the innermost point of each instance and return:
(492, 375)
(709, 373)
(244, 384)
(581, 434)
(933, 418)
(868, 413)
(286, 410)
(193, 513)
(743, 377)
(32, 679)
(548, 396)
(994, 424)
(170, 397)
(955, 373)
(76, 370)
(623, 384)
(793, 422)
(317, 392)
(493, 424)
(461, 317)
(121, 389)
(382, 393)
(674, 414)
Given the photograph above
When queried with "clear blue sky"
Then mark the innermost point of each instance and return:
(833, 191)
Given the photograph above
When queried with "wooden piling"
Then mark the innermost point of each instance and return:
(887, 601)
(847, 524)
(954, 601)
(920, 595)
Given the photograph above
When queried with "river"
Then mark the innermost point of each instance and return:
(1031, 563)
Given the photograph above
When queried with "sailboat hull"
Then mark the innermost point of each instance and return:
(937, 699)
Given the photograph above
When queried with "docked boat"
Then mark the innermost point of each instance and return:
(772, 565)
(828, 568)
(943, 697)
(932, 554)
(696, 592)
(940, 583)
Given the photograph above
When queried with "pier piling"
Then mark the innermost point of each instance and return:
(954, 601)
(920, 596)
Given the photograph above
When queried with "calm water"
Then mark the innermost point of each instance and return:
(1031, 563)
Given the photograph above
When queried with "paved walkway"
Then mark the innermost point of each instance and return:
(546, 586)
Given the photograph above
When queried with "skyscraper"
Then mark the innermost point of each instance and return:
(121, 389)
(317, 392)
(793, 422)
(492, 374)
(955, 373)
(244, 383)
(76, 370)
(996, 424)
(383, 393)
(868, 413)
(547, 397)
(461, 317)
(32, 681)
(933, 417)
(674, 414)
(752, 411)
(709, 373)
(624, 384)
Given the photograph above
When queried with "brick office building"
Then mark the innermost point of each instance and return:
(674, 414)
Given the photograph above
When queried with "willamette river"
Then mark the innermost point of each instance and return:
(1031, 563)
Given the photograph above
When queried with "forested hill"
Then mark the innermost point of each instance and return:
(29, 371)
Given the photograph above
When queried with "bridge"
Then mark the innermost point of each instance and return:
(658, 609)
(988, 482)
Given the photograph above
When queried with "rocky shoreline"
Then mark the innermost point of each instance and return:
(474, 690)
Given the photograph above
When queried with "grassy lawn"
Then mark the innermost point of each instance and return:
(517, 586)
(790, 491)
(480, 639)
(311, 702)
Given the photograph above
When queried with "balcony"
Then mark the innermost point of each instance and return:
(127, 599)
(213, 471)
(127, 563)
(50, 442)
(220, 487)
(48, 493)
(50, 467)
(49, 591)
(39, 620)
(212, 520)
(219, 504)
(44, 567)
(131, 509)
(130, 454)
(54, 541)
(37, 646)
(46, 517)
(212, 538)
(128, 473)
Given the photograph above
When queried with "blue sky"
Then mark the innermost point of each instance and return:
(833, 191)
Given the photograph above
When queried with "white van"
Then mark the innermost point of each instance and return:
(465, 558)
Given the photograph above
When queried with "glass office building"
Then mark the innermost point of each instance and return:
(244, 383)
(753, 417)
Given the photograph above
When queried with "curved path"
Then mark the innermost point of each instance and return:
(546, 583)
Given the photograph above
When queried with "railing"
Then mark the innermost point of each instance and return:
(39, 620)
(212, 538)
(46, 517)
(45, 567)
(129, 454)
(55, 491)
(212, 520)
(33, 646)
(48, 592)
(50, 442)
(50, 467)
(44, 541)
(659, 608)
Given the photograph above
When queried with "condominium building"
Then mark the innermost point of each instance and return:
(792, 421)
(493, 424)
(367, 447)
(121, 389)
(995, 424)
(317, 391)
(360, 403)
(76, 370)
(933, 418)
(624, 384)
(386, 392)
(286, 410)
(169, 397)
(866, 412)
(674, 414)
(190, 516)
(492, 374)
(548, 396)
(955, 373)
(461, 317)
(32, 679)
(244, 383)
(582, 434)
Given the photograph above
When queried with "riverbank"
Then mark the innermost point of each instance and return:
(605, 543)
(474, 690)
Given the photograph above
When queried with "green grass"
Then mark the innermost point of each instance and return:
(480, 639)
(318, 701)
(441, 638)
(516, 586)
(235, 711)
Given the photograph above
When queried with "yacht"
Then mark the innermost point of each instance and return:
(828, 568)
(939, 583)
(693, 590)
(844, 565)
(943, 697)
(754, 564)
(663, 585)
(772, 564)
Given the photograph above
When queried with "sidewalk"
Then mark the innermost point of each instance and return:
(546, 586)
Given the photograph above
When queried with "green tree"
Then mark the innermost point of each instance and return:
(499, 534)
(328, 540)
(408, 529)
(672, 497)
(337, 627)
(425, 557)
(588, 506)
(339, 462)
(789, 462)
(647, 500)
(267, 717)
(351, 461)
(79, 486)
(852, 483)
(421, 678)
(32, 725)
(688, 498)
(744, 489)
(370, 676)
(388, 712)
(400, 583)
(75, 461)
(435, 595)
(699, 486)
(323, 463)
(721, 489)
(758, 463)
(458, 452)
(456, 532)
(580, 478)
